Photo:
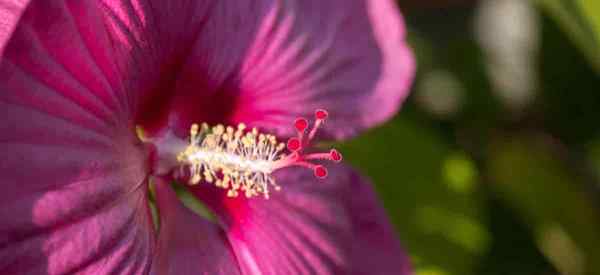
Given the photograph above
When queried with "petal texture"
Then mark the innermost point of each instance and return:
(310, 227)
(73, 193)
(284, 59)
(10, 13)
(150, 41)
(188, 244)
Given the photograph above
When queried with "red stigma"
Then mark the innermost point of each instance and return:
(321, 114)
(335, 155)
(301, 124)
(320, 171)
(293, 144)
(299, 145)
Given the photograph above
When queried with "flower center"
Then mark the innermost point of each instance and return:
(242, 160)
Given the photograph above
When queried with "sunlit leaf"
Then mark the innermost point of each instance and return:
(581, 20)
(429, 191)
(530, 177)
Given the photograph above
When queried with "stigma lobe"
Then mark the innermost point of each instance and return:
(243, 161)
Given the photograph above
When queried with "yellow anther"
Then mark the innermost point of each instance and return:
(195, 179)
(218, 130)
(207, 176)
(280, 146)
(211, 140)
(181, 156)
(272, 140)
(204, 127)
(232, 159)
(194, 130)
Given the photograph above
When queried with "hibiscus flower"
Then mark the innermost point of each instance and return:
(81, 80)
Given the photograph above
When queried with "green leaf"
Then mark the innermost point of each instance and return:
(591, 10)
(430, 192)
(529, 176)
(581, 20)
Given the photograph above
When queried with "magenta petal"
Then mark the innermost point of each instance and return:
(73, 198)
(152, 40)
(375, 250)
(334, 226)
(188, 244)
(10, 13)
(207, 85)
(285, 59)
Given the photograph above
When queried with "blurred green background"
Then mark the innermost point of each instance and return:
(493, 164)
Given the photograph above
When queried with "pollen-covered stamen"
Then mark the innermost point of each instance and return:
(243, 161)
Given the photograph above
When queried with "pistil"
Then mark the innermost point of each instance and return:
(243, 161)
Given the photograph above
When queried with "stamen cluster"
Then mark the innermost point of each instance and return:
(242, 160)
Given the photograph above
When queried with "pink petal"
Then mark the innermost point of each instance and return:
(188, 244)
(334, 226)
(10, 13)
(151, 39)
(73, 198)
(284, 59)
(206, 86)
(375, 251)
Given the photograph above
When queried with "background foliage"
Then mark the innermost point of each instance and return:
(493, 165)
